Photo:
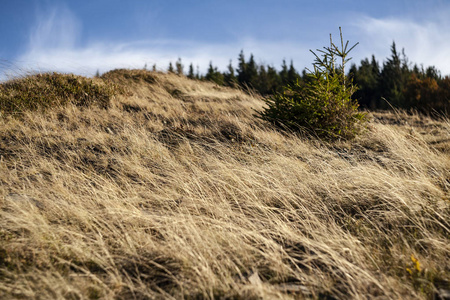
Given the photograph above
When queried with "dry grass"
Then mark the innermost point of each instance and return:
(43, 91)
(176, 191)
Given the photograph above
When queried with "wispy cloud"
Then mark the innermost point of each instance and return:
(56, 28)
(426, 43)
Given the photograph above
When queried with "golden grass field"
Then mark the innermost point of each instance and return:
(177, 191)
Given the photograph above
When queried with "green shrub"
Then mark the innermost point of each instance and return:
(321, 104)
(42, 91)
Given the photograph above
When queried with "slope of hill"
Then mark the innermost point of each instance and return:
(173, 189)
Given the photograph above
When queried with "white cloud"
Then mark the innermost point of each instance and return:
(426, 43)
(103, 57)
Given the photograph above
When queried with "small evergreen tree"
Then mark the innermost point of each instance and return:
(292, 75)
(433, 73)
(229, 77)
(393, 78)
(252, 72)
(321, 105)
(179, 66)
(191, 72)
(170, 69)
(242, 74)
(284, 74)
(210, 73)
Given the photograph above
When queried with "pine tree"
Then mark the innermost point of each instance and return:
(321, 105)
(242, 75)
(263, 83)
(292, 75)
(284, 74)
(210, 73)
(191, 72)
(393, 79)
(247, 71)
(170, 69)
(179, 66)
(252, 72)
(229, 77)
(432, 72)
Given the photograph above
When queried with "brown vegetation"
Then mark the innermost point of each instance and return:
(175, 190)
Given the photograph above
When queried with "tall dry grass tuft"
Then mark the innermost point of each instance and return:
(176, 191)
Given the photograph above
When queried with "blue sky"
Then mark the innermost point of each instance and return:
(85, 36)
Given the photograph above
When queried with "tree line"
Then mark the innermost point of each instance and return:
(395, 83)
(249, 75)
(401, 84)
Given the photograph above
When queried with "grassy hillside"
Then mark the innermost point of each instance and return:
(160, 187)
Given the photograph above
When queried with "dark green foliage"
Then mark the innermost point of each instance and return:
(214, 75)
(229, 77)
(322, 104)
(247, 72)
(288, 76)
(292, 75)
(264, 86)
(367, 78)
(268, 81)
(253, 77)
(284, 74)
(191, 72)
(43, 91)
(273, 80)
(241, 71)
(394, 77)
(433, 73)
(252, 72)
